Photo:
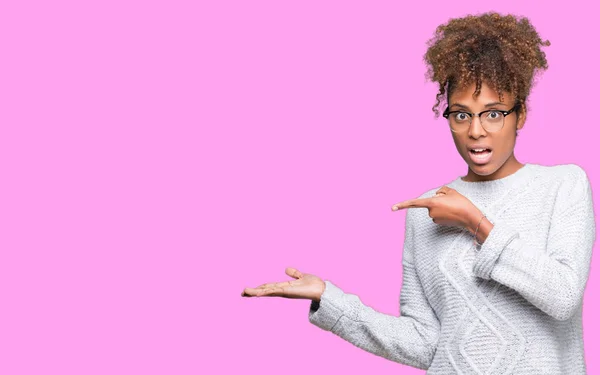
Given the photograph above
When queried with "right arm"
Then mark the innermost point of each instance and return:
(410, 339)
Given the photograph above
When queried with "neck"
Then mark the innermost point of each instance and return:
(509, 167)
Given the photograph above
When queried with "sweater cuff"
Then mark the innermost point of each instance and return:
(489, 252)
(326, 313)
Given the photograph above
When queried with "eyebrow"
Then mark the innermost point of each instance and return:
(486, 106)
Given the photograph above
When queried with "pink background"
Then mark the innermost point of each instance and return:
(159, 156)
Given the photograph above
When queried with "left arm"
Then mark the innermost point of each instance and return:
(554, 280)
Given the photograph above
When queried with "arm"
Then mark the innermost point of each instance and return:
(410, 339)
(554, 280)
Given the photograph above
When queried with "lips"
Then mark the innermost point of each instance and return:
(481, 157)
(479, 147)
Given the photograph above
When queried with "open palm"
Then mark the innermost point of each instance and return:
(304, 286)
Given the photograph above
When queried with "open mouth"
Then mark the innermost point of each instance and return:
(480, 155)
(480, 151)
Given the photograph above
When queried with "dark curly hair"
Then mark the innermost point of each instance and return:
(502, 51)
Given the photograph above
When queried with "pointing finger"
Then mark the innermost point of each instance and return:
(412, 203)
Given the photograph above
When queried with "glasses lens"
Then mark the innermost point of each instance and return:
(492, 121)
(459, 121)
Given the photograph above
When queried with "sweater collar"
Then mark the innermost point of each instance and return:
(493, 186)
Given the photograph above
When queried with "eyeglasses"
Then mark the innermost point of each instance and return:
(492, 120)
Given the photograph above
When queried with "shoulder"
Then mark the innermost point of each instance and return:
(571, 182)
(566, 175)
(562, 171)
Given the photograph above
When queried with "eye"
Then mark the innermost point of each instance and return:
(461, 116)
(494, 115)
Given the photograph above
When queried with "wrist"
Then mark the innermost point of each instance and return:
(317, 299)
(473, 219)
(478, 225)
(484, 230)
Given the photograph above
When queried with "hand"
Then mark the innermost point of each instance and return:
(447, 207)
(305, 286)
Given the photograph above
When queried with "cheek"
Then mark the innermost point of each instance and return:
(459, 143)
(464, 153)
(506, 142)
(503, 147)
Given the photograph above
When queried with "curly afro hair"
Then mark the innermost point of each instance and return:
(502, 51)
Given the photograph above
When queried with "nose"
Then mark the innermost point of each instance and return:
(476, 128)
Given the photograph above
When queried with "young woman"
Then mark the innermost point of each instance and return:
(495, 262)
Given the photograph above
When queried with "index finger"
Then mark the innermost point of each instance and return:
(412, 203)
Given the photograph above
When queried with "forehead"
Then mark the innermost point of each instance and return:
(486, 95)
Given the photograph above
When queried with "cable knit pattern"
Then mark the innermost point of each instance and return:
(510, 306)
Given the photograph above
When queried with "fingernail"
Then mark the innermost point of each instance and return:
(394, 208)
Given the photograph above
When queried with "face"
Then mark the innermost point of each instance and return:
(501, 162)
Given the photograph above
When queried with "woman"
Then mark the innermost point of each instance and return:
(495, 268)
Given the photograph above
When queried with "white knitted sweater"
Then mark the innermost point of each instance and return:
(510, 306)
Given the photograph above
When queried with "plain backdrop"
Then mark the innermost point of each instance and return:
(157, 157)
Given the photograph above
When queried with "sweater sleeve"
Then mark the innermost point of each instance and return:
(409, 339)
(554, 280)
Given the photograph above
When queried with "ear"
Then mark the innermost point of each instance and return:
(522, 117)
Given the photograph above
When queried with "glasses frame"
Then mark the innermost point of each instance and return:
(447, 114)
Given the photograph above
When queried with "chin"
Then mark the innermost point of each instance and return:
(483, 169)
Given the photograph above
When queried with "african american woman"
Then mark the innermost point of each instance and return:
(495, 263)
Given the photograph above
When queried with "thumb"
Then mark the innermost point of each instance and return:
(293, 272)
